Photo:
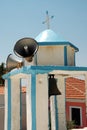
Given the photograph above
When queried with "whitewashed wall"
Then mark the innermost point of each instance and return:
(42, 102)
(50, 55)
(55, 55)
(70, 56)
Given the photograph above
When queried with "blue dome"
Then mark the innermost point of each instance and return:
(49, 36)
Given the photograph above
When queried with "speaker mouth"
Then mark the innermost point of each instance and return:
(26, 48)
(12, 62)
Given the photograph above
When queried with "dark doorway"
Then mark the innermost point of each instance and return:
(75, 112)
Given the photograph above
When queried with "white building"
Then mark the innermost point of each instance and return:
(45, 82)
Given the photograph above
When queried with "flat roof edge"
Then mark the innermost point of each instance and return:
(58, 43)
(42, 70)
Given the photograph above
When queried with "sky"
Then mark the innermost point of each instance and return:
(23, 18)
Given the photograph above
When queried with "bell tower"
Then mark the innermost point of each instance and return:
(54, 50)
(49, 61)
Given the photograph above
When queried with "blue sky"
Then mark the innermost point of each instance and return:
(23, 18)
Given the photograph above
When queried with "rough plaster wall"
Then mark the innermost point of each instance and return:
(42, 102)
(50, 55)
(61, 104)
(70, 56)
(15, 103)
(23, 112)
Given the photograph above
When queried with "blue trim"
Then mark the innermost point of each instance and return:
(56, 112)
(9, 105)
(66, 43)
(42, 70)
(65, 55)
(33, 100)
(74, 59)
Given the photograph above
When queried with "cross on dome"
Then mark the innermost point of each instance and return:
(47, 21)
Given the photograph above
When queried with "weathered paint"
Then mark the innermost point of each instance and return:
(51, 55)
(47, 69)
(54, 113)
(61, 103)
(28, 103)
(36, 81)
(64, 43)
(9, 105)
(15, 100)
(50, 52)
(70, 56)
(56, 55)
(42, 102)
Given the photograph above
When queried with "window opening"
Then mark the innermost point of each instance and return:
(76, 116)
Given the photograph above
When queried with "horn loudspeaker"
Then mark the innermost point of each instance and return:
(12, 62)
(26, 48)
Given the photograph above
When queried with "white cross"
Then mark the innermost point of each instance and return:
(47, 21)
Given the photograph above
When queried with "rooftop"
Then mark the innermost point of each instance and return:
(75, 88)
(49, 37)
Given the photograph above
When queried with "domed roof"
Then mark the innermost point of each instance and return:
(49, 36)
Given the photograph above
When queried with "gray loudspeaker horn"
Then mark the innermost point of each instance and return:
(26, 48)
(12, 63)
